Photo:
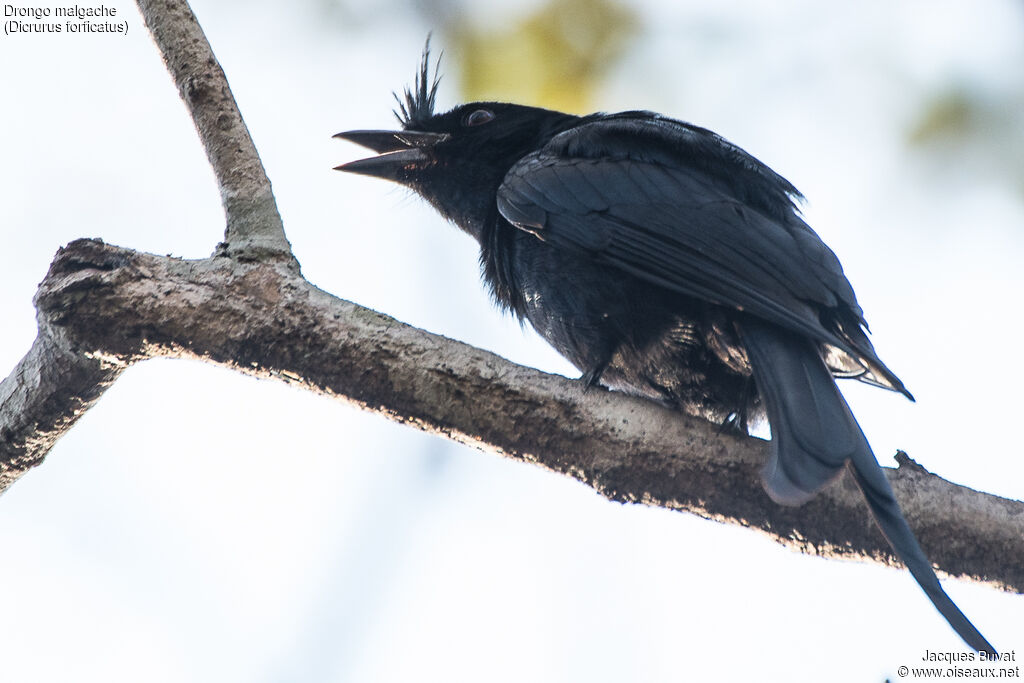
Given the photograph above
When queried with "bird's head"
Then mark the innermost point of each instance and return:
(456, 159)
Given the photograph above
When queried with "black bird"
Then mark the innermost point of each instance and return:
(664, 261)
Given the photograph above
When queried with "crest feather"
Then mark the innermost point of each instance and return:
(418, 104)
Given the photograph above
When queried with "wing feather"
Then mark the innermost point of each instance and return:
(639, 202)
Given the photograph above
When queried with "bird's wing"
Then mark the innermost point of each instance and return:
(679, 207)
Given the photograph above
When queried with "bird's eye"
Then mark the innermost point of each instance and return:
(478, 117)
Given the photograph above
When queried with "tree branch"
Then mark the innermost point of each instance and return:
(44, 395)
(123, 306)
(56, 382)
(254, 227)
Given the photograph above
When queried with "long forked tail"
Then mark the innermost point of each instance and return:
(814, 434)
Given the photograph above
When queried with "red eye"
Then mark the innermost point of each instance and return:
(478, 117)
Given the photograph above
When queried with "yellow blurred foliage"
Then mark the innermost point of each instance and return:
(554, 57)
(947, 116)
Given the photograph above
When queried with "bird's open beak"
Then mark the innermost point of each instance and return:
(400, 151)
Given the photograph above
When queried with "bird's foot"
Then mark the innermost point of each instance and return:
(734, 423)
(592, 378)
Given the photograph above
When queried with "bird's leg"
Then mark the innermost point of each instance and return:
(734, 423)
(592, 377)
(737, 422)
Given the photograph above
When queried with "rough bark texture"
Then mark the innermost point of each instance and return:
(122, 306)
(102, 308)
(51, 387)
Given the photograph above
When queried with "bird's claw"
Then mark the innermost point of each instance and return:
(592, 378)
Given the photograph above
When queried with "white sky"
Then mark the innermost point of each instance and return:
(202, 526)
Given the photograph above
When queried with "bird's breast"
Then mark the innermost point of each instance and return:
(649, 341)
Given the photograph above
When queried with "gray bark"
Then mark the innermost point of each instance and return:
(102, 308)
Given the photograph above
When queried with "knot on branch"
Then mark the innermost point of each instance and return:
(79, 269)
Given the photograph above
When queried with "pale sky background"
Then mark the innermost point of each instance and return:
(198, 525)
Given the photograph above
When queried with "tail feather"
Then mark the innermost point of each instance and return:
(812, 438)
(814, 434)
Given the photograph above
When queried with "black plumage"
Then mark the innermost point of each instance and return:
(664, 261)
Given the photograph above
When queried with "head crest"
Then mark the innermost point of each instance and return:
(419, 100)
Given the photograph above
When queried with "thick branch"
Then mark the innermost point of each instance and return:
(43, 397)
(254, 227)
(55, 383)
(124, 306)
